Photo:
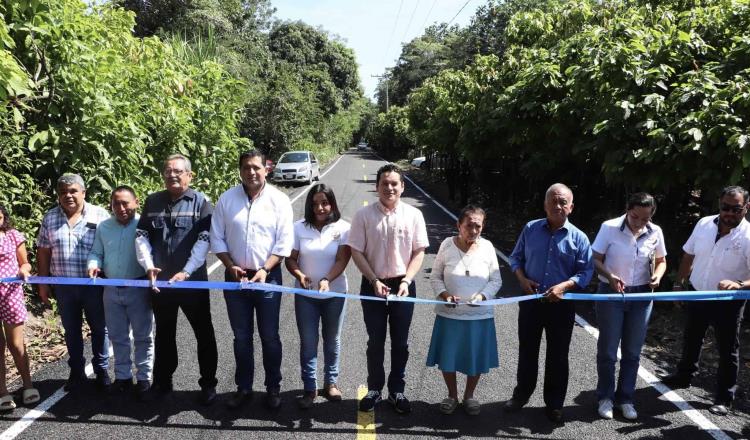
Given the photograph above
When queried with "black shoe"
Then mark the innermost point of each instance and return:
(141, 390)
(273, 399)
(121, 385)
(676, 380)
(719, 409)
(400, 403)
(372, 398)
(554, 415)
(513, 405)
(75, 382)
(157, 391)
(208, 396)
(103, 382)
(239, 398)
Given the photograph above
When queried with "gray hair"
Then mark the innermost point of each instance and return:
(558, 186)
(71, 179)
(188, 166)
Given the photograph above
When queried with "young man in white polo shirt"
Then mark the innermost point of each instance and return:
(717, 256)
(251, 232)
(388, 240)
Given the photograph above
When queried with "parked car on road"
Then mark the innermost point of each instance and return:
(418, 161)
(362, 146)
(296, 166)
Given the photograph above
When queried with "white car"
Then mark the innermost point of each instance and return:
(418, 161)
(297, 166)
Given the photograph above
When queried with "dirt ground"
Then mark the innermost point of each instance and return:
(664, 339)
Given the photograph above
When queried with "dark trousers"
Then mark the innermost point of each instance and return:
(378, 315)
(725, 317)
(556, 320)
(196, 306)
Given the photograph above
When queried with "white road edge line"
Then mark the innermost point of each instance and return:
(33, 414)
(651, 379)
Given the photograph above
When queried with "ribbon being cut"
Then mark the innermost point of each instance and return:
(224, 285)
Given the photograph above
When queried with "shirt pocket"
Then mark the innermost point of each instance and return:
(733, 259)
(158, 223)
(183, 222)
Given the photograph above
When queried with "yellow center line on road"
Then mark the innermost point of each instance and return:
(365, 420)
(365, 177)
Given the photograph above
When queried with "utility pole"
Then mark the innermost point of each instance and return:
(385, 76)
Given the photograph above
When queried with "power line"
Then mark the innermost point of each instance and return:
(459, 11)
(393, 32)
(428, 13)
(410, 19)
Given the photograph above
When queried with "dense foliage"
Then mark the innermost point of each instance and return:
(83, 93)
(626, 94)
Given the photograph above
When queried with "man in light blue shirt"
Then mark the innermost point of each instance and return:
(113, 255)
(551, 256)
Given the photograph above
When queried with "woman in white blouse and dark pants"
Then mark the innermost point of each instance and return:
(465, 272)
(318, 260)
(629, 255)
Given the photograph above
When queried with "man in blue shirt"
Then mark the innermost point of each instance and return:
(551, 256)
(113, 256)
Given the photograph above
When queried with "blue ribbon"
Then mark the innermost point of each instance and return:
(228, 285)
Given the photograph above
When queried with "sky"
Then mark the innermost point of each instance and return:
(376, 29)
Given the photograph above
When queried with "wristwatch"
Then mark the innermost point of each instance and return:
(325, 279)
(375, 281)
(407, 281)
(741, 283)
(263, 268)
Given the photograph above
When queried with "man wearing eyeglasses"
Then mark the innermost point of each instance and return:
(172, 240)
(717, 256)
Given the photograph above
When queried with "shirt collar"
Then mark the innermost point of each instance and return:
(649, 228)
(565, 225)
(83, 211)
(387, 211)
(188, 194)
(260, 193)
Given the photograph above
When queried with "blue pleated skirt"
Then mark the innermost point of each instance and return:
(464, 346)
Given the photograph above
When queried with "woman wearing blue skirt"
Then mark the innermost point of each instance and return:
(464, 273)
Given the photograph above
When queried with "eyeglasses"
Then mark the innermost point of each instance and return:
(170, 171)
(736, 209)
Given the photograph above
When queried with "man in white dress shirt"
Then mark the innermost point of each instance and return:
(717, 256)
(251, 232)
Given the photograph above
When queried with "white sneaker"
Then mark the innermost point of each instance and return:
(605, 409)
(628, 411)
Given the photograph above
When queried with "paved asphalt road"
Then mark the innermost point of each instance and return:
(178, 416)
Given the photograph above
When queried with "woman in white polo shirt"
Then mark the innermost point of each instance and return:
(629, 255)
(318, 260)
(465, 271)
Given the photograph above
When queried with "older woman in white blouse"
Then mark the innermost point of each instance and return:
(465, 272)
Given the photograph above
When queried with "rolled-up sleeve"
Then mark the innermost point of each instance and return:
(218, 227)
(357, 235)
(518, 256)
(584, 265)
(284, 230)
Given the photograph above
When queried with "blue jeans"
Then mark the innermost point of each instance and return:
(620, 322)
(240, 308)
(72, 303)
(126, 308)
(310, 312)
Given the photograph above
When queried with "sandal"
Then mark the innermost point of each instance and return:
(30, 395)
(471, 406)
(448, 405)
(7, 403)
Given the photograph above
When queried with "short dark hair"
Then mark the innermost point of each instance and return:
(328, 191)
(7, 224)
(642, 199)
(249, 154)
(732, 190)
(123, 188)
(471, 209)
(389, 168)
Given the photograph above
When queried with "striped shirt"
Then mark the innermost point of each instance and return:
(70, 245)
